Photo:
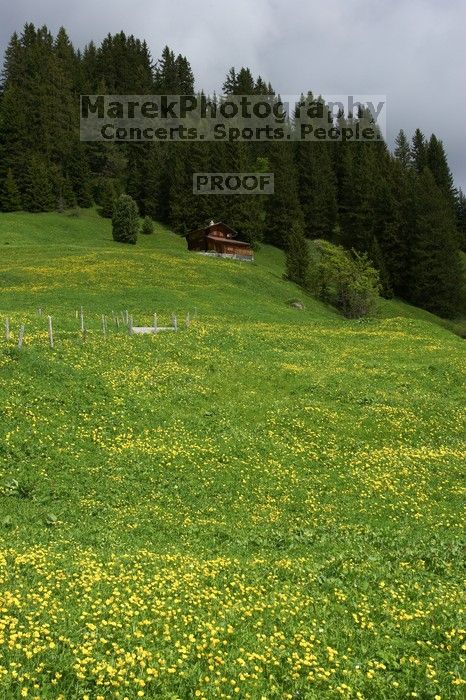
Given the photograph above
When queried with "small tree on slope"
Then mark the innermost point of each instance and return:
(297, 256)
(125, 220)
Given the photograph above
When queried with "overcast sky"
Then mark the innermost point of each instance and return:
(414, 51)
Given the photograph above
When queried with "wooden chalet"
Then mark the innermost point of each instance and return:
(219, 239)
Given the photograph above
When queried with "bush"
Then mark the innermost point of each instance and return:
(344, 279)
(125, 220)
(147, 226)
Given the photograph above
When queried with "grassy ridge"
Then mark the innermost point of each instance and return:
(266, 504)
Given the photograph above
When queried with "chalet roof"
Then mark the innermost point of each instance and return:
(225, 240)
(205, 230)
(222, 225)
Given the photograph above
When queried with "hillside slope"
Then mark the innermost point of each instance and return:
(264, 504)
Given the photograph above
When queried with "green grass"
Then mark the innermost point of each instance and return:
(264, 505)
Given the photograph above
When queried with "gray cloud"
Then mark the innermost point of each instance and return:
(411, 50)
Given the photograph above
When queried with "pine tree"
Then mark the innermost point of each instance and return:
(460, 210)
(78, 173)
(10, 198)
(150, 196)
(173, 74)
(125, 220)
(436, 270)
(402, 149)
(438, 165)
(396, 234)
(185, 75)
(230, 83)
(177, 188)
(419, 151)
(359, 173)
(38, 194)
(283, 209)
(107, 197)
(317, 188)
(297, 255)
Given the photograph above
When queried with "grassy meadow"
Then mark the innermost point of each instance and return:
(266, 504)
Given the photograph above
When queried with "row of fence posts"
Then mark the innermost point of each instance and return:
(126, 319)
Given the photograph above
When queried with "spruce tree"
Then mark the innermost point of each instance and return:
(283, 208)
(10, 198)
(38, 194)
(317, 188)
(438, 165)
(419, 151)
(297, 255)
(436, 273)
(359, 174)
(396, 236)
(402, 149)
(125, 220)
(460, 212)
(107, 197)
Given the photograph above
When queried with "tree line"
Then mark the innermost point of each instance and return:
(401, 209)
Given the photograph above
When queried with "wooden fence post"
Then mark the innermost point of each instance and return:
(175, 322)
(7, 329)
(21, 337)
(130, 324)
(82, 319)
(50, 331)
(155, 322)
(187, 320)
(104, 329)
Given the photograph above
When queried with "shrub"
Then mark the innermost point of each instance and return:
(125, 220)
(344, 279)
(147, 226)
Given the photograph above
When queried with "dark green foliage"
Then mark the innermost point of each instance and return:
(106, 196)
(173, 75)
(125, 220)
(358, 172)
(283, 207)
(419, 151)
(122, 63)
(39, 118)
(460, 215)
(245, 213)
(317, 188)
(436, 275)
(297, 255)
(438, 165)
(38, 193)
(402, 149)
(345, 280)
(395, 217)
(79, 175)
(10, 198)
(147, 226)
